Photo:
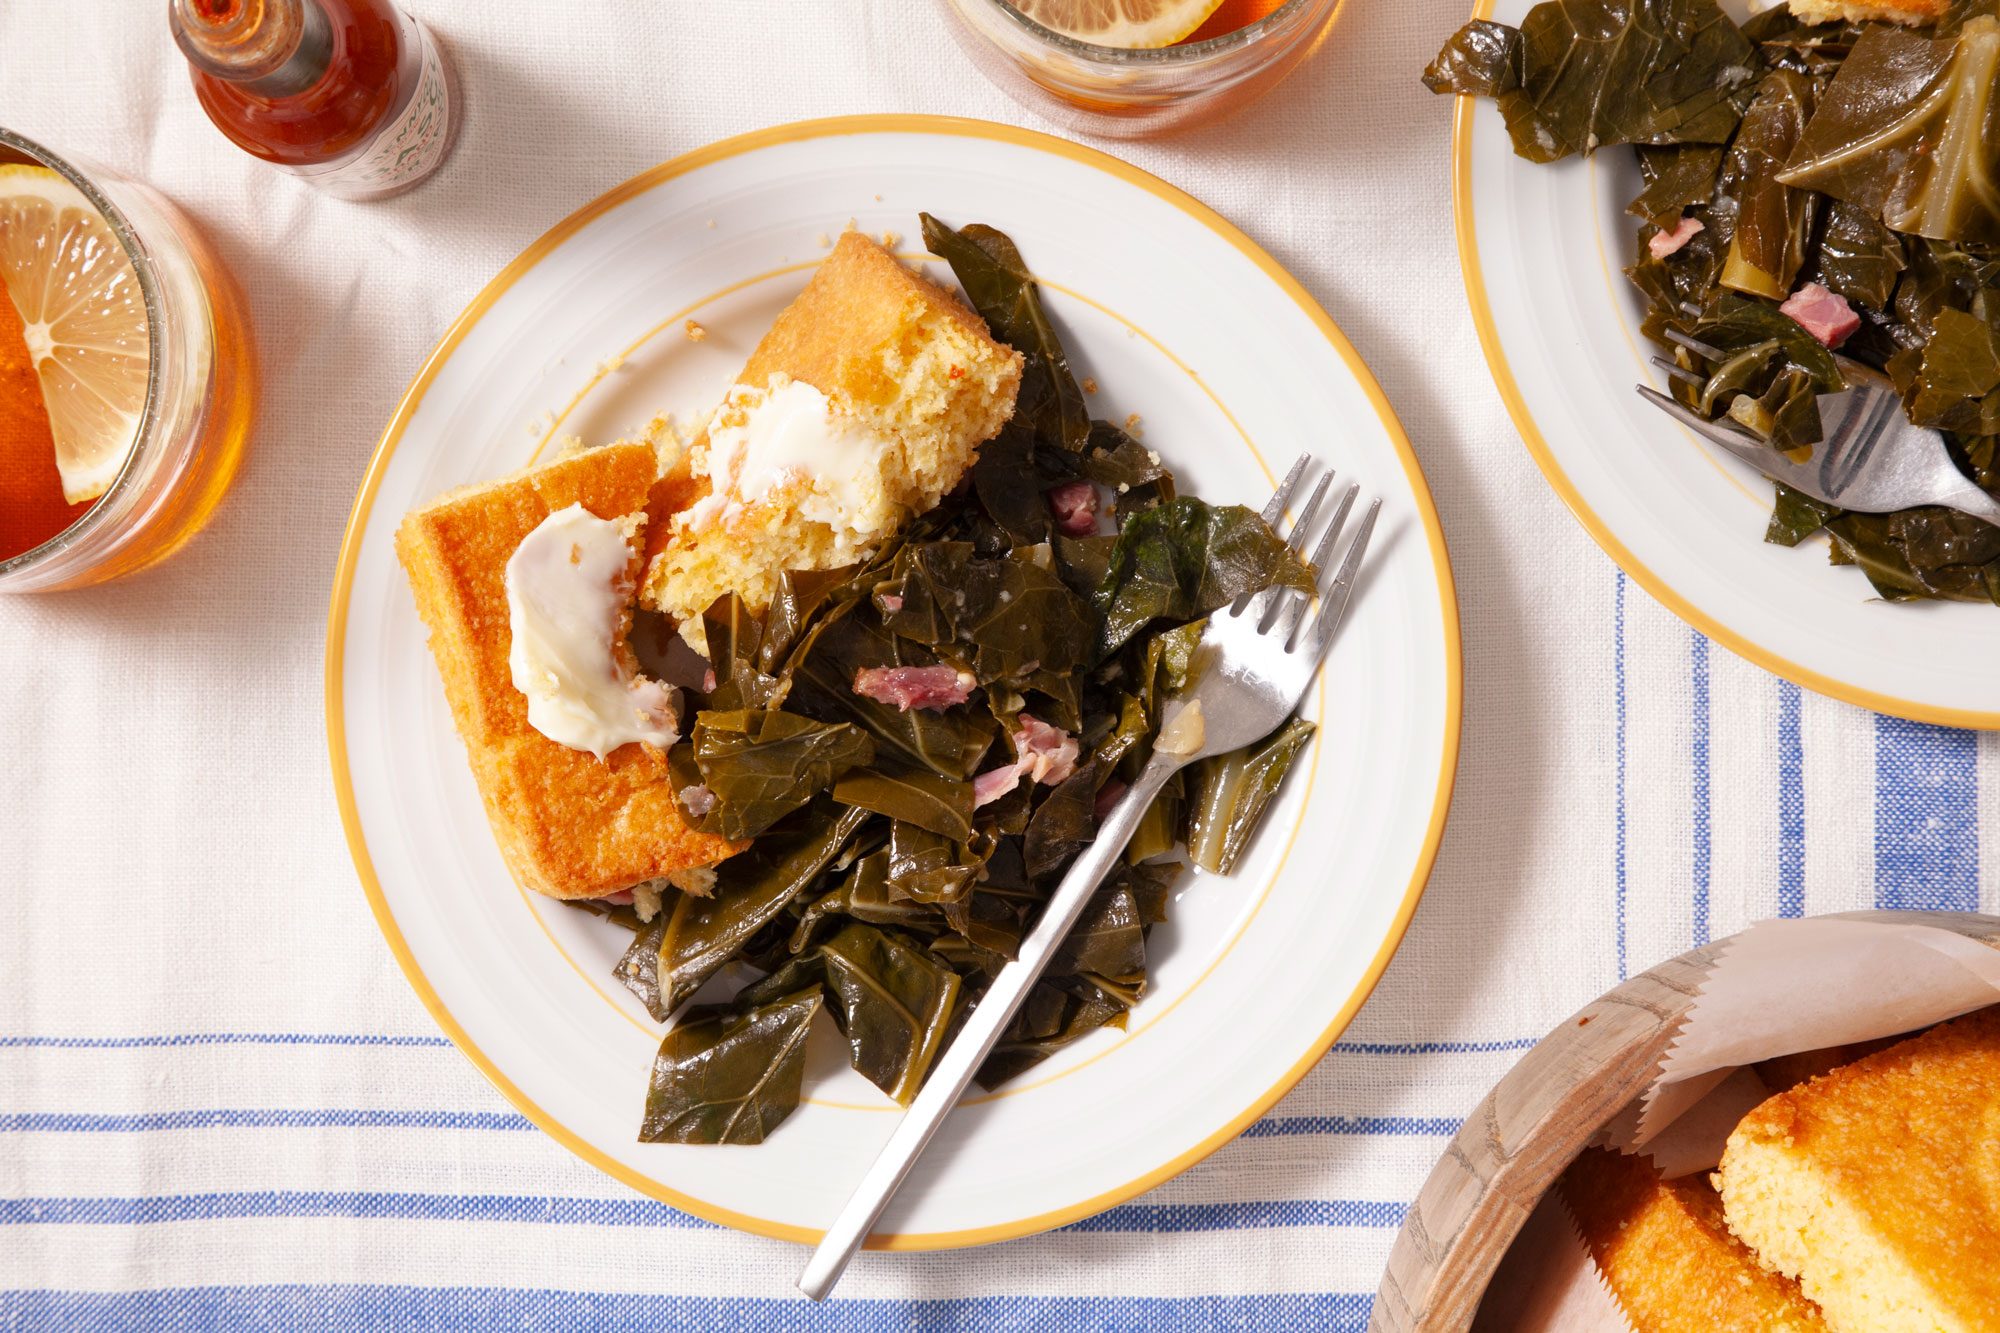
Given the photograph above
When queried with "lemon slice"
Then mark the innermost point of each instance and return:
(85, 322)
(1133, 24)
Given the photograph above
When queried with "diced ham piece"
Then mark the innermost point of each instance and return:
(1824, 315)
(622, 898)
(892, 602)
(1042, 753)
(994, 783)
(1107, 796)
(1673, 238)
(907, 687)
(1049, 753)
(697, 801)
(1074, 504)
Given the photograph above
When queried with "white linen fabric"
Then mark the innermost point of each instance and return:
(221, 1105)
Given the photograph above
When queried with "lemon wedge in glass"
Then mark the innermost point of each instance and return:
(1133, 24)
(84, 318)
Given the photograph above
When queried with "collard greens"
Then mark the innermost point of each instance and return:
(1864, 157)
(873, 887)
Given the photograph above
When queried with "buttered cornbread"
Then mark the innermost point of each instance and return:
(570, 824)
(1667, 1255)
(1878, 1185)
(866, 402)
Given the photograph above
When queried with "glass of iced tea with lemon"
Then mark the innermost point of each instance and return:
(126, 373)
(1136, 67)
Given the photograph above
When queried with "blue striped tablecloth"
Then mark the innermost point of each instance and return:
(220, 1105)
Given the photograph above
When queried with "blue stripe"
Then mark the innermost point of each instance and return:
(84, 1122)
(1433, 1047)
(1618, 676)
(366, 1039)
(491, 1309)
(1391, 1125)
(221, 1039)
(1926, 816)
(87, 1122)
(627, 1211)
(1698, 725)
(151, 1210)
(1245, 1215)
(1791, 804)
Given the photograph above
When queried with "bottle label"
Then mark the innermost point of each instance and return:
(409, 145)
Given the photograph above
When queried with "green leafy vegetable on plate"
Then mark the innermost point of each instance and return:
(881, 883)
(1777, 160)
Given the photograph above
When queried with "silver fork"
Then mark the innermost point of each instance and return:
(1250, 669)
(1872, 459)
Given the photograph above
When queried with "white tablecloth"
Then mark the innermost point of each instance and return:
(220, 1105)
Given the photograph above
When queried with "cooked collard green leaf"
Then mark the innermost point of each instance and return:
(1768, 222)
(691, 943)
(948, 743)
(1231, 791)
(1007, 619)
(1859, 257)
(1063, 823)
(1581, 75)
(1185, 559)
(1678, 177)
(762, 764)
(1109, 938)
(911, 796)
(1910, 127)
(997, 282)
(1796, 516)
(1958, 385)
(729, 1076)
(893, 1003)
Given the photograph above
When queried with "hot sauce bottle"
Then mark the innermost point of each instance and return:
(351, 95)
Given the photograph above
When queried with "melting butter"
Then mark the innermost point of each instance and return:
(790, 436)
(568, 586)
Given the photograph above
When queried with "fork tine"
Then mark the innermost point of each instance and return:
(1333, 527)
(1283, 613)
(1275, 507)
(1695, 345)
(1310, 511)
(1317, 636)
(1725, 436)
(1679, 372)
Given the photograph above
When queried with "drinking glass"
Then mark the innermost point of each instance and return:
(1114, 91)
(199, 395)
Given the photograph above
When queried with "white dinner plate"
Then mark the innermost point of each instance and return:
(1232, 369)
(1543, 248)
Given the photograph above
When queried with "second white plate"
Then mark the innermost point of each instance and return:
(1543, 248)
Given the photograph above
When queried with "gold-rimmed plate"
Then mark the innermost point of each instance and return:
(1542, 248)
(1231, 369)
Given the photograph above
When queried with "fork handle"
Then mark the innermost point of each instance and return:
(975, 1041)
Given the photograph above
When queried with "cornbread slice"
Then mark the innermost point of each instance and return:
(896, 356)
(569, 825)
(1668, 1257)
(1915, 13)
(1878, 1185)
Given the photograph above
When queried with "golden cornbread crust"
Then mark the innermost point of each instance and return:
(1911, 12)
(889, 349)
(1667, 1255)
(569, 825)
(1878, 1185)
